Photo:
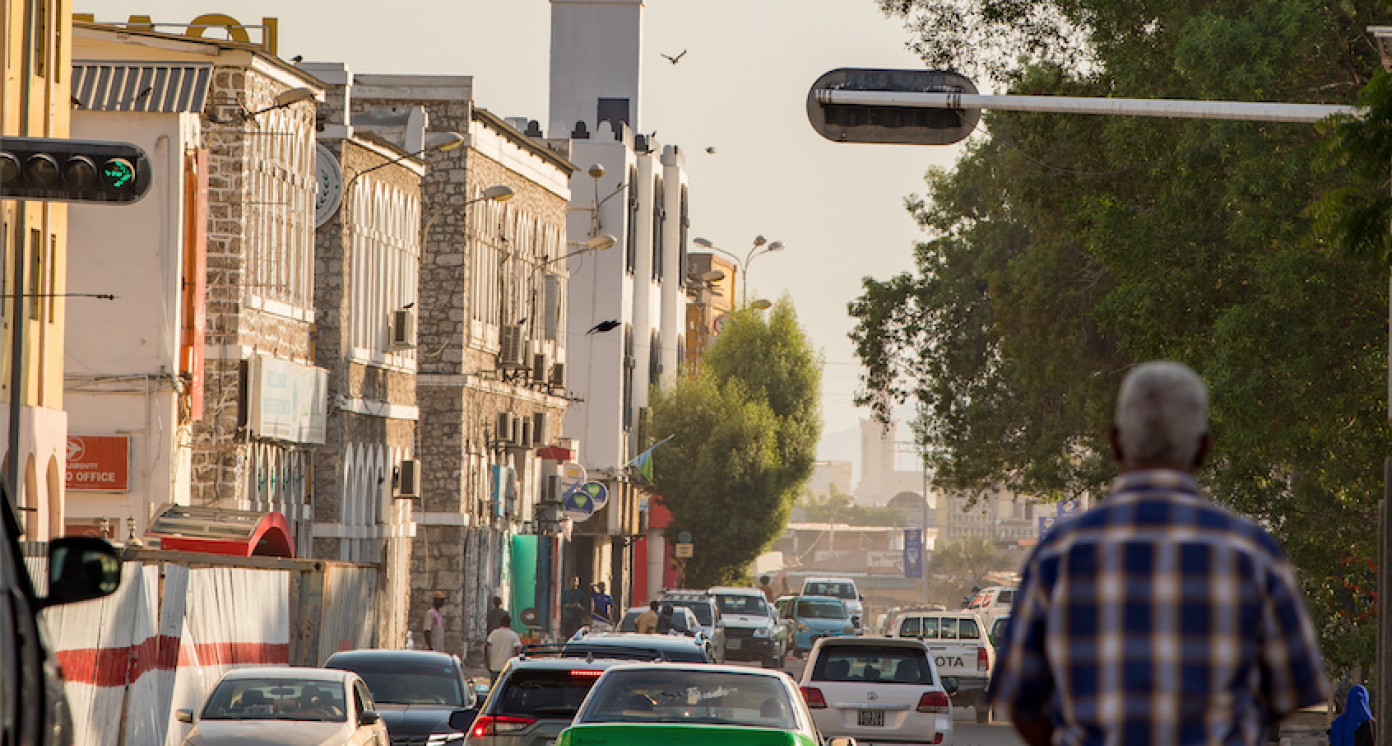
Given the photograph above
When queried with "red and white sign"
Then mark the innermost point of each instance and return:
(98, 463)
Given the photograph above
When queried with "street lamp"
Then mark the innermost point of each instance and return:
(597, 243)
(495, 193)
(441, 141)
(761, 247)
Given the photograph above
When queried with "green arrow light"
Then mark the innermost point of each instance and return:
(118, 173)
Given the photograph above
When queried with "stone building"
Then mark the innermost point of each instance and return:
(491, 352)
(367, 270)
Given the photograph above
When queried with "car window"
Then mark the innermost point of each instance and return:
(931, 630)
(947, 629)
(362, 699)
(883, 664)
(909, 628)
(837, 590)
(276, 699)
(701, 609)
(967, 629)
(395, 683)
(537, 693)
(816, 608)
(687, 697)
(1006, 597)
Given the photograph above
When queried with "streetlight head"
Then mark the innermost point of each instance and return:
(760, 240)
(287, 97)
(499, 193)
(703, 243)
(601, 242)
(775, 246)
(443, 141)
(596, 171)
(711, 276)
(761, 304)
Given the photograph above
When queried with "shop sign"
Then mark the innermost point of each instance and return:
(98, 463)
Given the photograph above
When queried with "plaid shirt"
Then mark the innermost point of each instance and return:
(1158, 617)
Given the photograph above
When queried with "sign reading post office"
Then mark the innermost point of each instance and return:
(98, 463)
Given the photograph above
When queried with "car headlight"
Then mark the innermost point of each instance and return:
(802, 627)
(761, 632)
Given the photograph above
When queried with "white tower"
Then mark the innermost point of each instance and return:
(596, 64)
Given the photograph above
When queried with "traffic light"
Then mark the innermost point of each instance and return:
(890, 123)
(34, 168)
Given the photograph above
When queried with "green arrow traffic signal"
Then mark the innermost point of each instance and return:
(53, 170)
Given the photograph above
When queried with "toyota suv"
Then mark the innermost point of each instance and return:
(753, 630)
(957, 641)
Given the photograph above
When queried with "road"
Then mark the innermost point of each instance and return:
(965, 731)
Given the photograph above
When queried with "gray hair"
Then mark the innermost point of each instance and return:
(1161, 415)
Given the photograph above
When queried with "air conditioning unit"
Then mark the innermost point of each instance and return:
(541, 362)
(541, 428)
(403, 329)
(558, 375)
(504, 434)
(410, 482)
(512, 347)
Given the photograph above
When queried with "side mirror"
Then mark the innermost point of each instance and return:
(950, 684)
(368, 717)
(463, 720)
(81, 568)
(184, 716)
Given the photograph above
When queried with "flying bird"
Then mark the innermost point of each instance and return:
(604, 326)
(297, 59)
(711, 150)
(408, 305)
(674, 60)
(78, 103)
(145, 93)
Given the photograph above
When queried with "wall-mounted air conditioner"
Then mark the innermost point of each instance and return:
(558, 375)
(403, 329)
(504, 434)
(512, 347)
(410, 482)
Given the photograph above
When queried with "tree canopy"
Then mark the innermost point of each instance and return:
(1063, 249)
(746, 426)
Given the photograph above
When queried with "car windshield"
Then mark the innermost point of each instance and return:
(686, 697)
(889, 664)
(746, 605)
(836, 590)
(289, 698)
(399, 683)
(538, 693)
(821, 608)
(701, 609)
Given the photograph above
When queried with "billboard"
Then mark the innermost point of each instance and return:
(98, 463)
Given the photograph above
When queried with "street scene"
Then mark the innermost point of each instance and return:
(565, 372)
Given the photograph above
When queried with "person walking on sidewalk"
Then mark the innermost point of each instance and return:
(434, 636)
(1157, 617)
(501, 646)
(603, 604)
(1356, 726)
(495, 614)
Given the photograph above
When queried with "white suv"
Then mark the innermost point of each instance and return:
(842, 588)
(877, 690)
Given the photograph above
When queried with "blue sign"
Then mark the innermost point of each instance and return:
(582, 500)
(913, 553)
(1046, 524)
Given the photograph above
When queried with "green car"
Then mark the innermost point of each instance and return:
(685, 705)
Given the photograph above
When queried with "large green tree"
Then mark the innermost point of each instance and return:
(1063, 249)
(745, 427)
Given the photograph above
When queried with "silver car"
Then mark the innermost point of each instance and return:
(535, 698)
(290, 706)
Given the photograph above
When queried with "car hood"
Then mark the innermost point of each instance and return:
(744, 621)
(267, 733)
(410, 719)
(836, 624)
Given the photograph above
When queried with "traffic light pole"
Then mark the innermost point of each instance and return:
(17, 325)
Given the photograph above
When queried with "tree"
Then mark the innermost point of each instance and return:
(967, 561)
(745, 427)
(838, 507)
(1063, 249)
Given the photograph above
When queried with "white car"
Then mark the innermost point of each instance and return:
(877, 690)
(289, 706)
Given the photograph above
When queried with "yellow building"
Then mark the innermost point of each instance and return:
(712, 300)
(34, 102)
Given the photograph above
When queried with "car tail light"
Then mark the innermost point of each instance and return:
(981, 662)
(586, 673)
(814, 698)
(497, 725)
(934, 702)
(937, 738)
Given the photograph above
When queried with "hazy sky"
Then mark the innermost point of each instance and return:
(741, 88)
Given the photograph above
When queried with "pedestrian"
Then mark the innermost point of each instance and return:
(664, 620)
(1356, 727)
(602, 605)
(574, 608)
(495, 614)
(646, 623)
(766, 587)
(501, 646)
(1158, 617)
(434, 636)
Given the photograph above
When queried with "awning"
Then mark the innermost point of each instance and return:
(240, 533)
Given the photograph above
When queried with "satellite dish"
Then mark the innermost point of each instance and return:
(529, 617)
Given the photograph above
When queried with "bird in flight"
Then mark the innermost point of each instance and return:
(674, 60)
(604, 326)
(711, 150)
(297, 59)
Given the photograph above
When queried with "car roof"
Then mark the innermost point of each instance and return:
(630, 640)
(878, 642)
(404, 657)
(700, 668)
(289, 672)
(735, 591)
(929, 612)
(562, 664)
(805, 581)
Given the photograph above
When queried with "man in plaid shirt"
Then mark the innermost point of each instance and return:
(1157, 617)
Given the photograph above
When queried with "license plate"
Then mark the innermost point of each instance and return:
(733, 644)
(872, 717)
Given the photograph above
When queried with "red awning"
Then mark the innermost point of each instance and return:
(240, 533)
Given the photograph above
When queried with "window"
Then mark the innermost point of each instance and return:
(279, 206)
(909, 627)
(891, 664)
(632, 246)
(681, 240)
(659, 220)
(629, 363)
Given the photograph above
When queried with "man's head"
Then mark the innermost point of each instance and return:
(505, 620)
(497, 602)
(667, 609)
(599, 586)
(437, 599)
(763, 580)
(574, 583)
(1161, 419)
(652, 605)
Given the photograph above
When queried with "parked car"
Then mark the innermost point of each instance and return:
(877, 689)
(33, 705)
(707, 616)
(842, 588)
(676, 648)
(815, 617)
(535, 697)
(997, 633)
(753, 630)
(683, 620)
(990, 603)
(662, 703)
(416, 692)
(959, 648)
(291, 706)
